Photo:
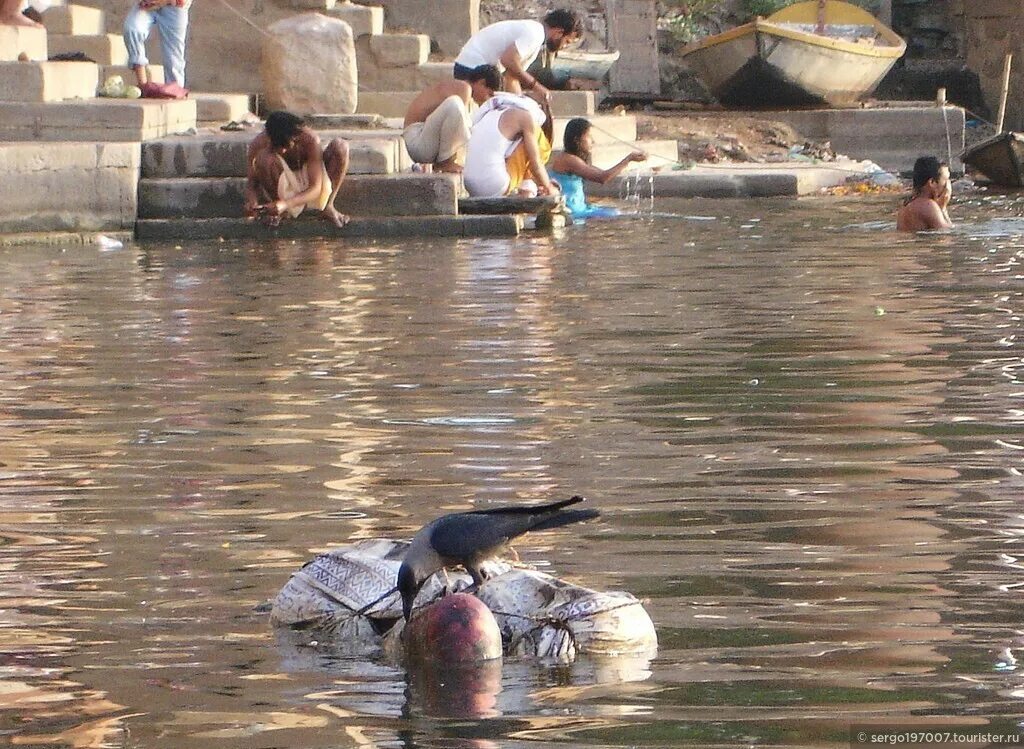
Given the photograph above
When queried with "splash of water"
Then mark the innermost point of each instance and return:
(638, 188)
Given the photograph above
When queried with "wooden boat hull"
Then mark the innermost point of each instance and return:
(779, 62)
(594, 66)
(1000, 158)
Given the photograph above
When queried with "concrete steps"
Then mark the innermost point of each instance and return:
(104, 49)
(606, 128)
(74, 20)
(395, 103)
(313, 228)
(365, 20)
(220, 107)
(223, 154)
(22, 40)
(47, 81)
(101, 120)
(193, 187)
(382, 195)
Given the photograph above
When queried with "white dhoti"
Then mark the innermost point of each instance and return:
(292, 183)
(441, 136)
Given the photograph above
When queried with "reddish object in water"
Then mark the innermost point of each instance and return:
(454, 629)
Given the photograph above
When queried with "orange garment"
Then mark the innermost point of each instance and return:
(518, 166)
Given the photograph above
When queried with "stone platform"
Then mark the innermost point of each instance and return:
(892, 134)
(314, 228)
(68, 187)
(787, 179)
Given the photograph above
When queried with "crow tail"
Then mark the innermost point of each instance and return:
(532, 509)
(565, 518)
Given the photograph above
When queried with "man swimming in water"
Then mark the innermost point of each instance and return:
(927, 209)
(288, 172)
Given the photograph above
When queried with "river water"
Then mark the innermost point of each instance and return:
(804, 433)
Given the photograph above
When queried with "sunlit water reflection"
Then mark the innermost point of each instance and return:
(803, 430)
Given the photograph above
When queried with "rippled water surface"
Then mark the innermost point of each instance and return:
(804, 433)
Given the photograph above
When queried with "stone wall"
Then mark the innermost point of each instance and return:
(68, 187)
(224, 45)
(989, 29)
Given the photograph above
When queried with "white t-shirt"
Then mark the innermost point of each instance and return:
(487, 45)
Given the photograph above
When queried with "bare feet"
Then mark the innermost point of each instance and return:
(331, 214)
(449, 168)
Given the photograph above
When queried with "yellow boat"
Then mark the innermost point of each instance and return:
(816, 52)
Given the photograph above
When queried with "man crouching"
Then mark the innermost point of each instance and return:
(287, 172)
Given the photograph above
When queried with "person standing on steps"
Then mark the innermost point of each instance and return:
(171, 19)
(513, 45)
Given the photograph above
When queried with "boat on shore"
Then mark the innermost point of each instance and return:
(999, 158)
(559, 67)
(816, 52)
(580, 63)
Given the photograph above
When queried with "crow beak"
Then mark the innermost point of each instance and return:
(407, 606)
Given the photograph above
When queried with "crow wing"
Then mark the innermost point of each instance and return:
(466, 535)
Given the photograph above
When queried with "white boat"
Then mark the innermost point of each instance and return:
(588, 64)
(820, 51)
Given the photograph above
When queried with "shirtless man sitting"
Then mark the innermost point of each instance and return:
(437, 121)
(927, 208)
(287, 172)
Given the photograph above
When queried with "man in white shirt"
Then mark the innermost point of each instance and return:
(513, 45)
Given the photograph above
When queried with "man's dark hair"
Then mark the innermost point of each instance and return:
(926, 168)
(282, 126)
(565, 20)
(489, 74)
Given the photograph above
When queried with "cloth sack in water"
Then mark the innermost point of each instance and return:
(349, 595)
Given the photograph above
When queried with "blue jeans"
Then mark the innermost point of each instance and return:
(172, 22)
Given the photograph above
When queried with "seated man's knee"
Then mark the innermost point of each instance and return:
(336, 151)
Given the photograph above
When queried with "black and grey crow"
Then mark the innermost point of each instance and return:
(471, 538)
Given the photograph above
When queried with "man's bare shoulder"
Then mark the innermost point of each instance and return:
(260, 141)
(920, 214)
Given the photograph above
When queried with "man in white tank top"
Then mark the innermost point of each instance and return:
(513, 45)
(500, 126)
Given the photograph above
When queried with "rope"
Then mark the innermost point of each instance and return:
(245, 18)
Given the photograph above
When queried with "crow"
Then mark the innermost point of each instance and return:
(471, 538)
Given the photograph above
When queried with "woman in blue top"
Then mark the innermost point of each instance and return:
(570, 167)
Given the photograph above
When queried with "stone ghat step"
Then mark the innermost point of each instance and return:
(104, 49)
(18, 40)
(395, 103)
(360, 195)
(74, 19)
(102, 120)
(221, 107)
(47, 81)
(607, 128)
(314, 228)
(735, 181)
(216, 153)
(364, 19)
